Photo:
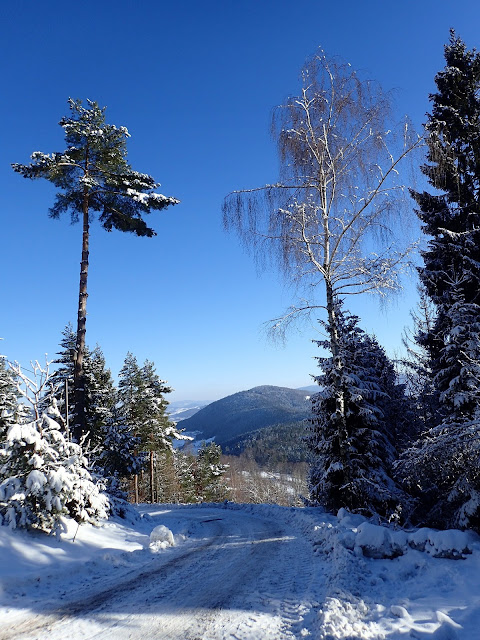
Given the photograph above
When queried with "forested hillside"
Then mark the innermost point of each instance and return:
(248, 411)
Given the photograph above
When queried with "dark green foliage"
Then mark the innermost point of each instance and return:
(440, 469)
(451, 214)
(271, 446)
(373, 406)
(8, 399)
(144, 406)
(93, 175)
(95, 163)
(208, 472)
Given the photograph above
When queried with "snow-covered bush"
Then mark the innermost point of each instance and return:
(43, 477)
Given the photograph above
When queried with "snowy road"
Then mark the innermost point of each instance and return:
(237, 576)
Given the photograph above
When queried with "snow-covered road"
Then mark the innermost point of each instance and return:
(242, 572)
(237, 575)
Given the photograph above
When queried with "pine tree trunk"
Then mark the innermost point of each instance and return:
(79, 428)
(339, 391)
(152, 475)
(135, 488)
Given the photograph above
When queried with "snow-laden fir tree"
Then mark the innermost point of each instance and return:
(93, 175)
(8, 398)
(441, 470)
(112, 442)
(209, 474)
(451, 213)
(416, 367)
(354, 457)
(441, 467)
(62, 379)
(44, 476)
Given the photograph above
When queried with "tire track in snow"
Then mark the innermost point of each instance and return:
(248, 580)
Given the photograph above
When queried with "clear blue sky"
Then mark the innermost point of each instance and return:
(195, 83)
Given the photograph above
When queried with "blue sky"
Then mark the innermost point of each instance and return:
(195, 83)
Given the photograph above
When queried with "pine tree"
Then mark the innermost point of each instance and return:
(354, 458)
(92, 174)
(144, 408)
(208, 474)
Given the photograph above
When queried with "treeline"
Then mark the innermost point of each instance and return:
(126, 452)
(415, 457)
(331, 222)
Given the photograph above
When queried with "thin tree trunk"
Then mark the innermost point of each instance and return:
(79, 376)
(152, 474)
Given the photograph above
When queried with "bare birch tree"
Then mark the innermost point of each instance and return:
(328, 221)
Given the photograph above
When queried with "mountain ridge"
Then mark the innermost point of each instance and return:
(249, 410)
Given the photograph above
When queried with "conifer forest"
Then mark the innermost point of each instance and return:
(382, 452)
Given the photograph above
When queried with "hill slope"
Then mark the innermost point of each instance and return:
(248, 411)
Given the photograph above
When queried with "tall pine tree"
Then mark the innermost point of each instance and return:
(93, 175)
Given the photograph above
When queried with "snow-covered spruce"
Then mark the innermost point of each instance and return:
(43, 477)
(8, 398)
(357, 417)
(442, 467)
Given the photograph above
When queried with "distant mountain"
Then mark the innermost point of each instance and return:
(248, 411)
(182, 410)
(311, 389)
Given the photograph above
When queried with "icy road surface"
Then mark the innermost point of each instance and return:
(236, 575)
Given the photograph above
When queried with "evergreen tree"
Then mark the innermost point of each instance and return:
(44, 476)
(366, 380)
(208, 474)
(143, 405)
(92, 174)
(451, 214)
(440, 469)
(62, 379)
(157, 431)
(8, 399)
(416, 366)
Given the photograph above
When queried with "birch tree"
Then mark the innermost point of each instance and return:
(328, 221)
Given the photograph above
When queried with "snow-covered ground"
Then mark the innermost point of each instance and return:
(240, 572)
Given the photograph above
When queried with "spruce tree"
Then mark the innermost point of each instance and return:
(451, 213)
(366, 379)
(93, 175)
(440, 468)
(43, 475)
(8, 399)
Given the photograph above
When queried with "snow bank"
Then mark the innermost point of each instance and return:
(161, 537)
